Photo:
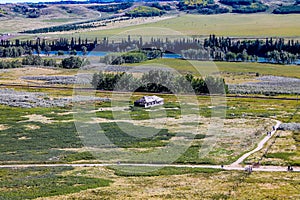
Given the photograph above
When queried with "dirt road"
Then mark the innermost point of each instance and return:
(229, 167)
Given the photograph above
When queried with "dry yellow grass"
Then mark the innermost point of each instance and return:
(189, 186)
(218, 185)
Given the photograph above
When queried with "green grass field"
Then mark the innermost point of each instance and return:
(235, 25)
(32, 183)
(205, 67)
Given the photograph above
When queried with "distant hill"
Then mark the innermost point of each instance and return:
(93, 8)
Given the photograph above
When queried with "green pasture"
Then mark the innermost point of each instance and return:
(32, 183)
(236, 68)
(234, 25)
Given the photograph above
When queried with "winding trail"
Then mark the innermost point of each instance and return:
(259, 146)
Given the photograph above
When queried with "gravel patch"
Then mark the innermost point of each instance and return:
(268, 84)
(65, 80)
(128, 69)
(52, 79)
(289, 126)
(3, 127)
(14, 98)
(86, 79)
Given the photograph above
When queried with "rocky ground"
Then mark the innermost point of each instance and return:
(86, 78)
(268, 84)
(52, 79)
(289, 126)
(32, 99)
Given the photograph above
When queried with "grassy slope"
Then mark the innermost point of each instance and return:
(238, 25)
(51, 16)
(196, 67)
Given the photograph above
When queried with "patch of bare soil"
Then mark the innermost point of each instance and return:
(65, 113)
(31, 127)
(13, 76)
(3, 127)
(23, 138)
(38, 118)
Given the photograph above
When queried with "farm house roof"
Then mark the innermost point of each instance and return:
(148, 99)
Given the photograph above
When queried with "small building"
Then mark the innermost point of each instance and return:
(149, 101)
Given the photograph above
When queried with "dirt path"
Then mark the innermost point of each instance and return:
(259, 146)
(229, 167)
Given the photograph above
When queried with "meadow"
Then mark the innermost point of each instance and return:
(49, 135)
(184, 183)
(31, 183)
(234, 25)
(165, 183)
(41, 135)
(282, 150)
(233, 72)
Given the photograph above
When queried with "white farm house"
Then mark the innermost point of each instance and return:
(149, 101)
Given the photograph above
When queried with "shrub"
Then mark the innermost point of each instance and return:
(7, 65)
(32, 60)
(287, 9)
(253, 8)
(145, 11)
(237, 2)
(112, 7)
(129, 57)
(72, 62)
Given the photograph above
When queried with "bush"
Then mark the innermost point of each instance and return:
(145, 11)
(237, 2)
(60, 53)
(212, 9)
(129, 57)
(72, 62)
(112, 7)
(287, 9)
(32, 60)
(165, 7)
(37, 60)
(253, 8)
(8, 65)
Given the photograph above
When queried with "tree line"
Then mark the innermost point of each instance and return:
(287, 9)
(77, 25)
(71, 62)
(221, 48)
(206, 7)
(18, 48)
(10, 64)
(159, 82)
(211, 48)
(210, 7)
(112, 7)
